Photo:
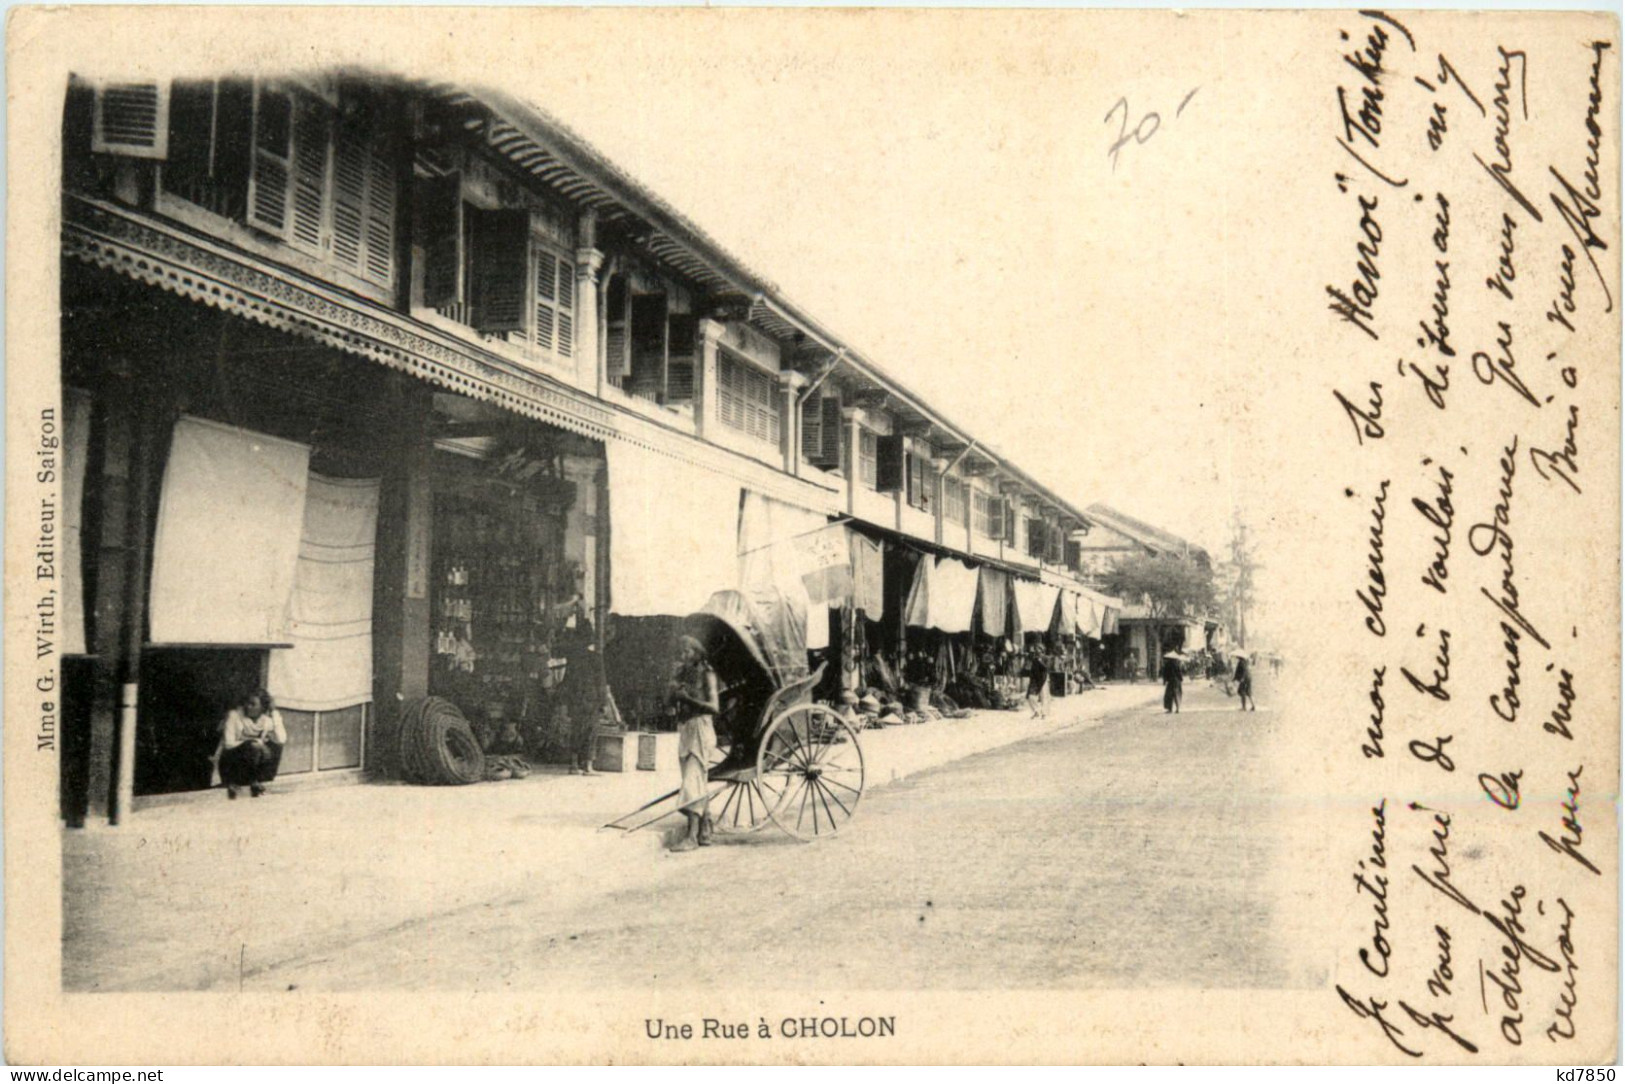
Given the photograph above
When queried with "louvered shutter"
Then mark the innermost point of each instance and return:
(1074, 555)
(617, 322)
(544, 332)
(648, 333)
(829, 455)
(731, 393)
(1010, 521)
(567, 308)
(364, 204)
(131, 119)
(682, 336)
(439, 209)
(812, 427)
(889, 465)
(312, 145)
(995, 515)
(192, 124)
(554, 330)
(501, 270)
(271, 173)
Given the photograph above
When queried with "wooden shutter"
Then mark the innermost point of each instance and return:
(271, 172)
(995, 515)
(730, 392)
(555, 304)
(649, 329)
(312, 147)
(193, 121)
(131, 119)
(617, 328)
(812, 426)
(501, 270)
(821, 439)
(1010, 521)
(682, 337)
(889, 464)
(567, 307)
(364, 199)
(439, 206)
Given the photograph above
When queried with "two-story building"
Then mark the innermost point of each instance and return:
(371, 385)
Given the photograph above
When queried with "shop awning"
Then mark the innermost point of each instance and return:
(943, 596)
(673, 531)
(994, 588)
(1035, 605)
(795, 551)
(230, 519)
(868, 576)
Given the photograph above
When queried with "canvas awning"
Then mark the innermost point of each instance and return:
(673, 532)
(1035, 605)
(943, 595)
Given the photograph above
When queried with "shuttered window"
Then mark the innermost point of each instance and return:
(131, 119)
(869, 458)
(954, 509)
(364, 200)
(989, 514)
(821, 432)
(555, 328)
(325, 186)
(922, 482)
(747, 399)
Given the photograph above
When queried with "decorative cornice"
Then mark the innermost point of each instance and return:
(155, 253)
(113, 238)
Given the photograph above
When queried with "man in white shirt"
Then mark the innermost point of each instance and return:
(251, 744)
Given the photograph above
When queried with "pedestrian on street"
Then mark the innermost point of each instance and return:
(694, 695)
(1038, 684)
(581, 694)
(1244, 682)
(1173, 682)
(251, 741)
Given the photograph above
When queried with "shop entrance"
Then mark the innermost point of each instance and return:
(507, 583)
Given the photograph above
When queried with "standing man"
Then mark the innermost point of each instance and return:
(1038, 683)
(694, 696)
(1173, 682)
(1244, 682)
(582, 694)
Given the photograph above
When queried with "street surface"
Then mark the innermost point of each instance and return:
(1135, 852)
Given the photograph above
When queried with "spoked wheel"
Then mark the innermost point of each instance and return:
(740, 806)
(810, 768)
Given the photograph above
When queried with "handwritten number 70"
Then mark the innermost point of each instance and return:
(1141, 132)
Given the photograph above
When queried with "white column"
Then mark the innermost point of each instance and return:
(791, 382)
(705, 375)
(589, 362)
(854, 457)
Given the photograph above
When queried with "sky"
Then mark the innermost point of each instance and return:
(947, 204)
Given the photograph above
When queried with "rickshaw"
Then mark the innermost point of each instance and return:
(785, 759)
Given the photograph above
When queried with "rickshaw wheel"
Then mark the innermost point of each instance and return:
(739, 807)
(810, 769)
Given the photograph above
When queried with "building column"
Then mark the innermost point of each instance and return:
(790, 384)
(107, 485)
(940, 468)
(402, 628)
(581, 526)
(589, 261)
(854, 453)
(705, 374)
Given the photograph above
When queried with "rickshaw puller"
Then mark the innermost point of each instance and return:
(695, 696)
